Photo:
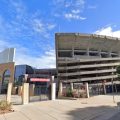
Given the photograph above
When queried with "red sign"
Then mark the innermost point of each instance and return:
(39, 79)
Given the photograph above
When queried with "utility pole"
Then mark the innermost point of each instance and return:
(113, 91)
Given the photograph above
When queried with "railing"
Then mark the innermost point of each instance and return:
(89, 66)
(87, 72)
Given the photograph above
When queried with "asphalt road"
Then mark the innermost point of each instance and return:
(116, 116)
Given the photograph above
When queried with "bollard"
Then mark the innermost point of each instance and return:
(9, 91)
(25, 93)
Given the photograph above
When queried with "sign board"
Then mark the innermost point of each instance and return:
(39, 79)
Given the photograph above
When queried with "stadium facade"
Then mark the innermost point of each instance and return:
(86, 58)
(18, 74)
(7, 68)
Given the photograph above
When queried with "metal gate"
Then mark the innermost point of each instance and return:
(41, 93)
(96, 89)
(4, 89)
(79, 91)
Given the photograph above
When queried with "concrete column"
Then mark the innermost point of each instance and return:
(104, 88)
(71, 86)
(25, 77)
(88, 51)
(52, 79)
(25, 97)
(119, 54)
(73, 52)
(32, 87)
(99, 53)
(9, 92)
(109, 53)
(53, 91)
(60, 89)
(87, 90)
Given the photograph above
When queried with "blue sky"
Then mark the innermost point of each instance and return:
(29, 25)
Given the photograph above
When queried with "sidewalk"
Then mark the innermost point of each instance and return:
(96, 108)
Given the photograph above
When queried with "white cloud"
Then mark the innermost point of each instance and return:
(23, 23)
(3, 45)
(80, 2)
(42, 28)
(38, 26)
(76, 11)
(25, 31)
(51, 26)
(22, 56)
(109, 32)
(72, 3)
(68, 4)
(46, 60)
(69, 9)
(70, 16)
(17, 8)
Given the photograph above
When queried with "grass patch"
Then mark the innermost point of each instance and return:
(5, 107)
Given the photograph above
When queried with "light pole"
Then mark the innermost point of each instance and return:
(113, 91)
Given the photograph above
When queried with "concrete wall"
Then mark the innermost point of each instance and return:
(7, 66)
(85, 41)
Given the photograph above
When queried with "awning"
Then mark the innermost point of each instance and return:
(39, 79)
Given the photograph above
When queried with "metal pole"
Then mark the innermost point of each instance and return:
(113, 91)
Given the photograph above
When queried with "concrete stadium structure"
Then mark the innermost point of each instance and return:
(86, 58)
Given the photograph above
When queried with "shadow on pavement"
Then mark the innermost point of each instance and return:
(95, 113)
(116, 116)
